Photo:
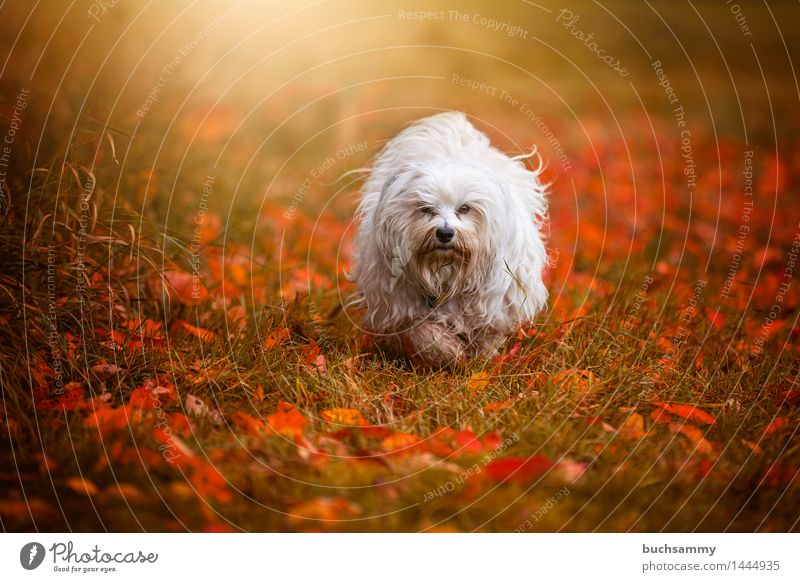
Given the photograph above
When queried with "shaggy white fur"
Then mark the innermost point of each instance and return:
(449, 249)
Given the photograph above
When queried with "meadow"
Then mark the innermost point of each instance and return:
(176, 349)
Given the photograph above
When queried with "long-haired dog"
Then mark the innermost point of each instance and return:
(449, 252)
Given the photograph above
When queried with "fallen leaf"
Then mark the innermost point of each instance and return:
(695, 435)
(399, 441)
(126, 492)
(345, 416)
(325, 509)
(633, 427)
(184, 287)
(753, 447)
(108, 420)
(314, 359)
(276, 337)
(776, 424)
(287, 421)
(498, 406)
(518, 469)
(247, 422)
(661, 416)
(688, 412)
(82, 485)
(478, 382)
(791, 396)
(203, 334)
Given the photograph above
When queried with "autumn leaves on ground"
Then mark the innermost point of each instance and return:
(176, 352)
(243, 396)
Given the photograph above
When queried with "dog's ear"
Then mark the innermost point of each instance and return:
(405, 174)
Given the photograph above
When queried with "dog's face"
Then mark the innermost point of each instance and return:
(438, 226)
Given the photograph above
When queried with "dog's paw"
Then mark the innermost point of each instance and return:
(433, 345)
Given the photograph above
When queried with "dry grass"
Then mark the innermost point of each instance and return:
(636, 403)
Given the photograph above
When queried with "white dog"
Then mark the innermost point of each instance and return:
(449, 250)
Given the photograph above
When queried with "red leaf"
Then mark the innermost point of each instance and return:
(790, 396)
(314, 359)
(204, 334)
(107, 420)
(184, 287)
(688, 411)
(518, 469)
(716, 318)
(776, 424)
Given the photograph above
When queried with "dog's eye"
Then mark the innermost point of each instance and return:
(464, 208)
(427, 209)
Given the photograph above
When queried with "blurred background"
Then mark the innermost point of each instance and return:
(267, 90)
(176, 216)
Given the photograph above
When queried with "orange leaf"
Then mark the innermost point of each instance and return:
(275, 337)
(478, 382)
(661, 416)
(753, 447)
(688, 411)
(125, 491)
(107, 420)
(399, 441)
(152, 394)
(326, 509)
(633, 427)
(246, 422)
(498, 406)
(209, 483)
(345, 416)
(204, 334)
(694, 434)
(504, 359)
(82, 485)
(184, 287)
(777, 424)
(287, 421)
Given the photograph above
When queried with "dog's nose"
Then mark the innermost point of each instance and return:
(445, 234)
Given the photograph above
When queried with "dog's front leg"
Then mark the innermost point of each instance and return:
(432, 344)
(484, 345)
